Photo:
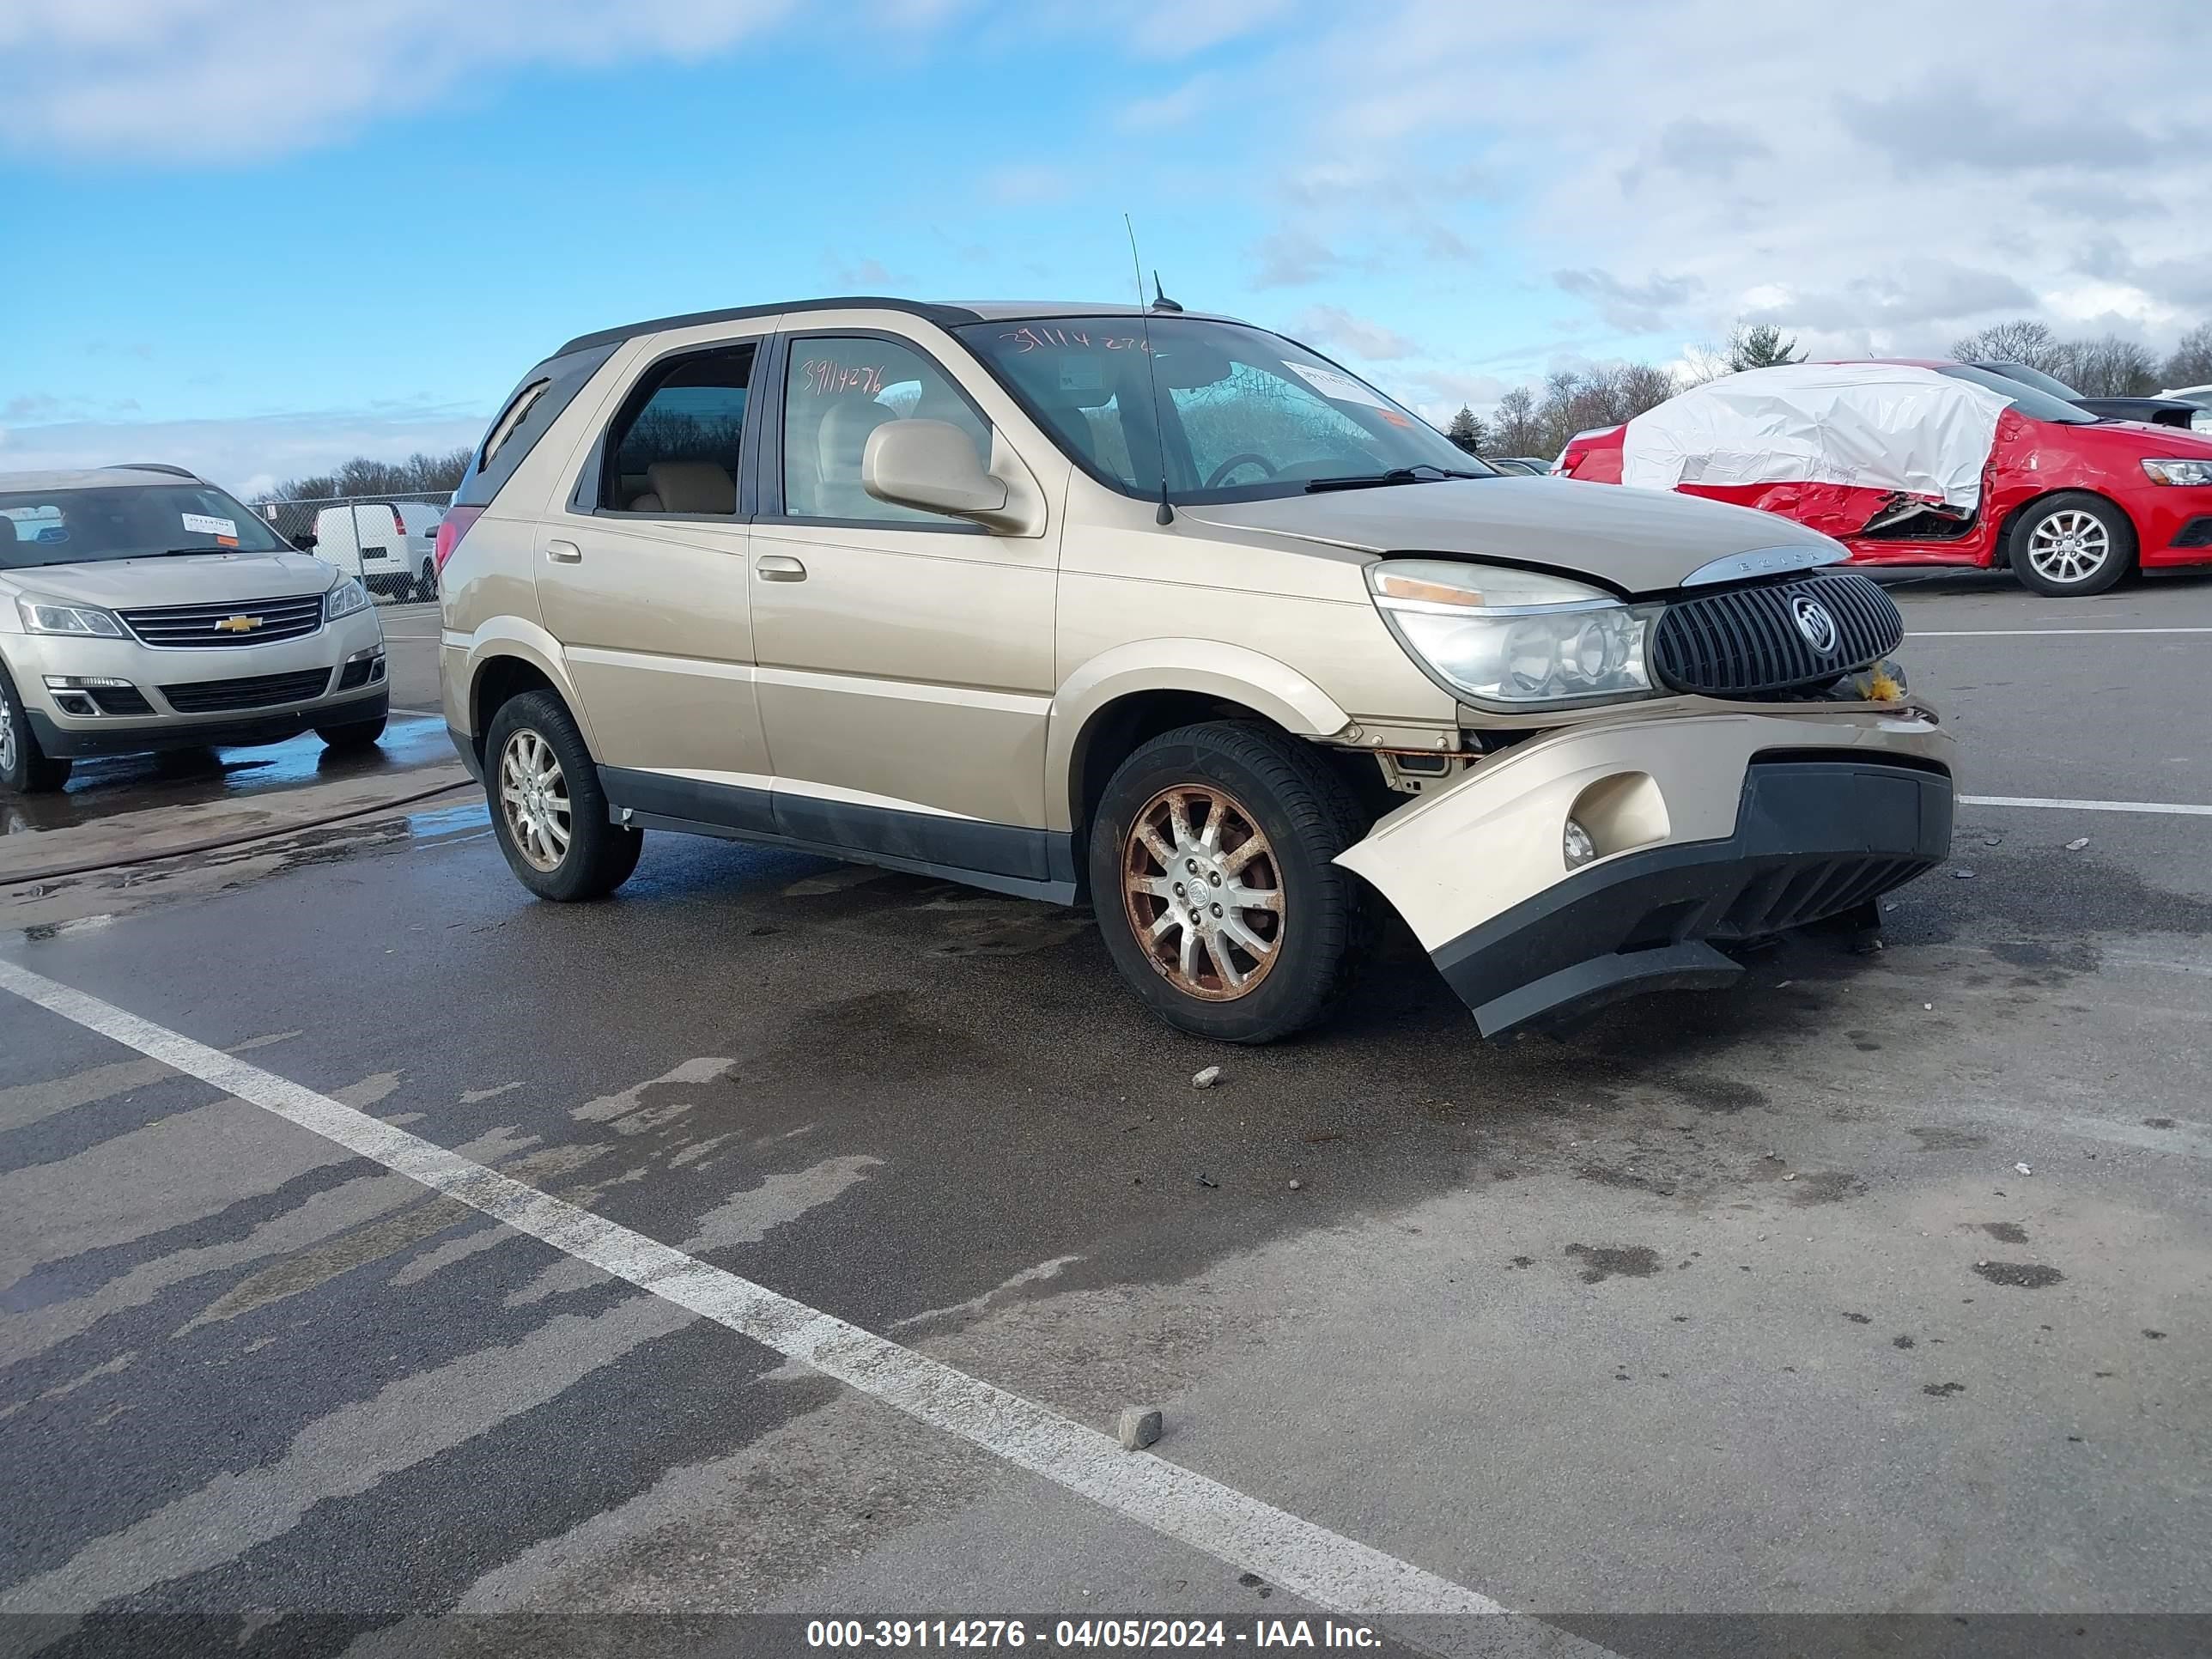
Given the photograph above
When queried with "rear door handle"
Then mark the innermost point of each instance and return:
(779, 567)
(563, 552)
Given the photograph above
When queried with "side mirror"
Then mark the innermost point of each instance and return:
(305, 541)
(932, 465)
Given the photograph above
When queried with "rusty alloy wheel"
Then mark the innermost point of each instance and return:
(1204, 892)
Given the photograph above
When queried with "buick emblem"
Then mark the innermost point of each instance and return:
(1814, 623)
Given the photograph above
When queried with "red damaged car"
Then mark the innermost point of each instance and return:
(1927, 462)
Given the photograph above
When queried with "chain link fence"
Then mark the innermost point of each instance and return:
(388, 541)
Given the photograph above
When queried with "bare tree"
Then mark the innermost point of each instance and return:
(2023, 340)
(2110, 368)
(418, 475)
(2191, 362)
(1515, 430)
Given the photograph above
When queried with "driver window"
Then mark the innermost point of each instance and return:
(839, 390)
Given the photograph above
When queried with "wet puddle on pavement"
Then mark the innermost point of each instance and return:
(101, 788)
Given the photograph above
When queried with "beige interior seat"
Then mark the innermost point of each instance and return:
(687, 487)
(839, 443)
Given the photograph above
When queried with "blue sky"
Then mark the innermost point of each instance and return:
(259, 237)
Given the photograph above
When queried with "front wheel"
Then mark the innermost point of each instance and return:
(1212, 873)
(356, 734)
(2072, 544)
(548, 812)
(25, 769)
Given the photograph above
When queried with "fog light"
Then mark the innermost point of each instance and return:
(84, 682)
(1577, 845)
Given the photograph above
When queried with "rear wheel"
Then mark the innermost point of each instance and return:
(2071, 544)
(25, 769)
(426, 581)
(1212, 875)
(548, 810)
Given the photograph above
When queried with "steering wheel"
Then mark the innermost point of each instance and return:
(1213, 478)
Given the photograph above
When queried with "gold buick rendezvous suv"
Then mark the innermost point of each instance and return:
(1166, 613)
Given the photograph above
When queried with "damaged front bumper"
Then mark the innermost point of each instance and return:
(1709, 829)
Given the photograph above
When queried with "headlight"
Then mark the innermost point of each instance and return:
(348, 597)
(81, 620)
(1514, 639)
(2179, 471)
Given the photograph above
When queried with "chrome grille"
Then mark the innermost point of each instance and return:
(203, 627)
(1747, 642)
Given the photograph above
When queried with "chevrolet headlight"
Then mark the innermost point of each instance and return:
(2179, 471)
(83, 621)
(348, 597)
(1514, 639)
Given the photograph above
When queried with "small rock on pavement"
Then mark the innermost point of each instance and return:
(2077, 843)
(1139, 1427)
(1963, 875)
(2022, 1169)
(1206, 1078)
(1294, 1185)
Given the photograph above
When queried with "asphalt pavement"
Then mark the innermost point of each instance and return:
(1877, 1287)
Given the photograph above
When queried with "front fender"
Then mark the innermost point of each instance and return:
(1234, 674)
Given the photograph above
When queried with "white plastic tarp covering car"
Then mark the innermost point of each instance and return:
(1886, 427)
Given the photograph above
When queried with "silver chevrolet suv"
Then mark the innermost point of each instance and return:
(142, 609)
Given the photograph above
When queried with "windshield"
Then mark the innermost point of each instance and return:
(127, 521)
(2036, 405)
(1243, 414)
(2034, 377)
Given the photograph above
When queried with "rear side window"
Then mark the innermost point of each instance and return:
(524, 417)
(674, 445)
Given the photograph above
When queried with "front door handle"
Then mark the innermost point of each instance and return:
(563, 552)
(779, 567)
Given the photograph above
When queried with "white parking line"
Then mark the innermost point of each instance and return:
(2170, 808)
(2025, 633)
(1326, 1568)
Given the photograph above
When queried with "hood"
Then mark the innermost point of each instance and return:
(1636, 541)
(178, 579)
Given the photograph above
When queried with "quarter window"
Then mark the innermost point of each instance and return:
(674, 446)
(837, 391)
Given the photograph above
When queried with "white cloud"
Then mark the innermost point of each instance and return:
(1333, 325)
(245, 456)
(1893, 211)
(181, 80)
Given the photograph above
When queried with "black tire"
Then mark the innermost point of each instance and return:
(25, 769)
(426, 585)
(600, 855)
(1307, 814)
(2051, 516)
(356, 734)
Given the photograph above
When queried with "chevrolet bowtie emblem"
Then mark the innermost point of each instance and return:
(237, 624)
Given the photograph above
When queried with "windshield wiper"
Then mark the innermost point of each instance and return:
(1421, 472)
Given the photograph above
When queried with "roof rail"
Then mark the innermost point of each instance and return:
(153, 466)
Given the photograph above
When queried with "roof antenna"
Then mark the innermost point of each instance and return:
(1166, 514)
(1160, 301)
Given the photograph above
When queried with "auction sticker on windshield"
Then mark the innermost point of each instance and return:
(1338, 388)
(225, 530)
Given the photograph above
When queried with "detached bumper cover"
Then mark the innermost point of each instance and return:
(1712, 828)
(1813, 838)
